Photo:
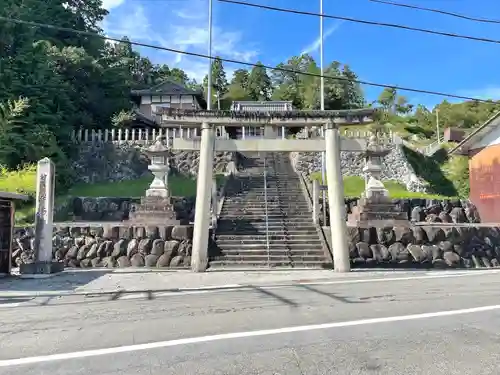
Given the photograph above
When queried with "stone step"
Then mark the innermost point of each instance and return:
(276, 201)
(263, 204)
(271, 215)
(227, 263)
(262, 223)
(255, 221)
(270, 188)
(231, 231)
(271, 201)
(259, 212)
(262, 230)
(252, 195)
(261, 241)
(271, 258)
(242, 223)
(275, 252)
(280, 237)
(312, 244)
(276, 206)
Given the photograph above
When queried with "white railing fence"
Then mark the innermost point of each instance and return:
(148, 135)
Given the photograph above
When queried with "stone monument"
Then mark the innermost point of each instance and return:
(45, 185)
(375, 208)
(157, 206)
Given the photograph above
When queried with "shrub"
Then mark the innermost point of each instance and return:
(457, 171)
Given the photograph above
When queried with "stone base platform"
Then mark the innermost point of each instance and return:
(154, 210)
(40, 269)
(378, 211)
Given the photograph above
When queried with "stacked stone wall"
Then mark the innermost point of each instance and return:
(111, 246)
(111, 162)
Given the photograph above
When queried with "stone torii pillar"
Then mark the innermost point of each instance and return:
(336, 199)
(202, 217)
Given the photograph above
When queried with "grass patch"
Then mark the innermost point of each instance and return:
(354, 186)
(180, 185)
(22, 181)
(447, 176)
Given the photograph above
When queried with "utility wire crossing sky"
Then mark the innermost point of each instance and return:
(362, 82)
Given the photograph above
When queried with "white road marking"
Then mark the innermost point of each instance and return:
(13, 304)
(238, 335)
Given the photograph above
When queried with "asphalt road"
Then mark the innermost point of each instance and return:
(394, 327)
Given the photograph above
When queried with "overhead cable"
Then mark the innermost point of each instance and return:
(238, 62)
(365, 22)
(439, 11)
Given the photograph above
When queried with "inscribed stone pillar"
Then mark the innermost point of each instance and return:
(43, 222)
(44, 215)
(336, 200)
(199, 258)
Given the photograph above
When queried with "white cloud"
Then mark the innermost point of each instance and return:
(110, 4)
(314, 46)
(485, 93)
(186, 30)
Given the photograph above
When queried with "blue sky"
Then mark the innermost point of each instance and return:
(376, 54)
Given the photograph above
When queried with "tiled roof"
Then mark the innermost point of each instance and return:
(167, 87)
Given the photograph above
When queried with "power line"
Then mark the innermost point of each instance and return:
(457, 15)
(194, 54)
(365, 22)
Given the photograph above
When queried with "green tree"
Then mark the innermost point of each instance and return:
(352, 93)
(259, 83)
(219, 82)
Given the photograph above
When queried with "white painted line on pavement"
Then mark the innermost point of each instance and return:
(238, 335)
(13, 304)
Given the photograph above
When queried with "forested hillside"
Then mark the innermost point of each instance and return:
(52, 82)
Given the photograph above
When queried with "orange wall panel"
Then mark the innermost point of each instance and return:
(484, 169)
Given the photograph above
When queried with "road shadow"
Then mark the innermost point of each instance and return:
(45, 299)
(327, 294)
(268, 293)
(64, 281)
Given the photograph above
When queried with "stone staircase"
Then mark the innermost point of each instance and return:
(240, 238)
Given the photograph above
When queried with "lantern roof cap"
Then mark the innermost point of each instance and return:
(158, 146)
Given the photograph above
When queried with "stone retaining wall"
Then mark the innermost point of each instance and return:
(110, 162)
(111, 246)
(170, 246)
(431, 210)
(395, 166)
(425, 246)
(118, 209)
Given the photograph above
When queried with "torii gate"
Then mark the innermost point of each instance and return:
(332, 144)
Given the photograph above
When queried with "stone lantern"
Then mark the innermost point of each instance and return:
(159, 155)
(374, 153)
(375, 208)
(157, 206)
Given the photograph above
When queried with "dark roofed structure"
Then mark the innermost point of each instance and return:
(168, 94)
